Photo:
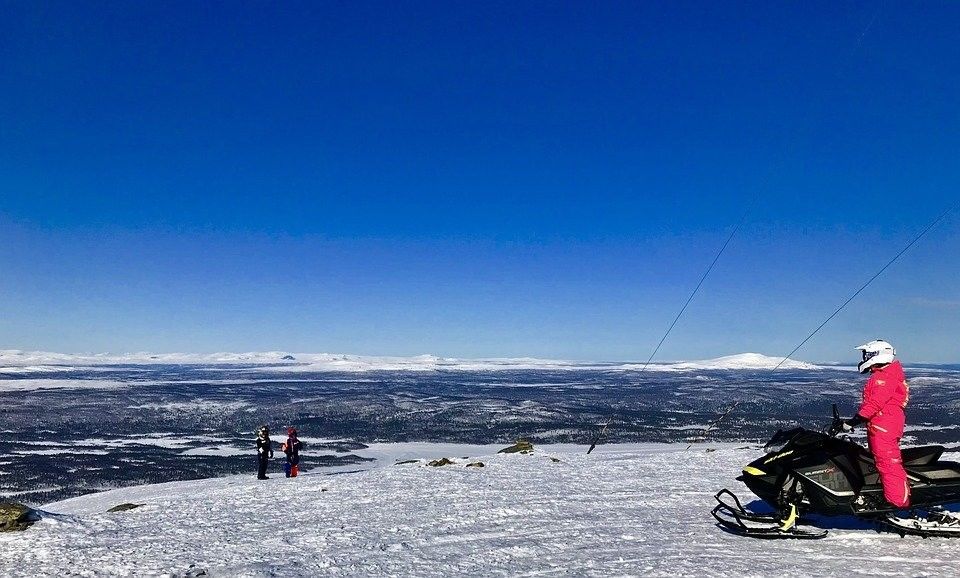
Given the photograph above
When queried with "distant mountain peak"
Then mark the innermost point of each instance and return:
(743, 361)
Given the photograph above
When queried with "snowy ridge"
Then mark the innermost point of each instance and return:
(10, 385)
(638, 510)
(327, 362)
(741, 361)
(33, 361)
(17, 362)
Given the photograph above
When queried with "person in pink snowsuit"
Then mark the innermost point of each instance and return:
(885, 397)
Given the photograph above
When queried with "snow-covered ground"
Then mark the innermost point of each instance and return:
(638, 510)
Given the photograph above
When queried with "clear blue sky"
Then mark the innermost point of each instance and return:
(477, 179)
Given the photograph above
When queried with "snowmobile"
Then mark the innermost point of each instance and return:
(805, 471)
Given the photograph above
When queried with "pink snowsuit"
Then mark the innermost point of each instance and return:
(884, 399)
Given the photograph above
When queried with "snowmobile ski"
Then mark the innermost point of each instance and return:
(738, 520)
(739, 510)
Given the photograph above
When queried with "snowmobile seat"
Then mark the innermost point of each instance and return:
(914, 459)
(942, 471)
(921, 456)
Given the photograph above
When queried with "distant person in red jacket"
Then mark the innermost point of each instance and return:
(884, 399)
(292, 449)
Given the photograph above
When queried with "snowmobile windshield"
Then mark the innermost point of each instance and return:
(772, 448)
(780, 440)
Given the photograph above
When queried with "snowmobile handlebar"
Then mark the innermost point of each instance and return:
(836, 426)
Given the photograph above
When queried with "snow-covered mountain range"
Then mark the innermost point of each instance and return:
(13, 360)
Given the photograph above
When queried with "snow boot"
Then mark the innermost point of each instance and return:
(870, 504)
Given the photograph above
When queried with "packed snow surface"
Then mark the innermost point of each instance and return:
(639, 510)
(15, 361)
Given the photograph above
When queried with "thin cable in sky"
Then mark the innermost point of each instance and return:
(703, 278)
(869, 281)
(869, 26)
(695, 290)
(919, 236)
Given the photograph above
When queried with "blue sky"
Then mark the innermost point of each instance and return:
(467, 179)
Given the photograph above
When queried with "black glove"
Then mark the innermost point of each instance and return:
(847, 425)
(853, 422)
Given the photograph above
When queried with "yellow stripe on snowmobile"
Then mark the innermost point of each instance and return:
(753, 471)
(791, 519)
(777, 457)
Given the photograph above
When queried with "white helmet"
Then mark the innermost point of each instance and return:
(877, 352)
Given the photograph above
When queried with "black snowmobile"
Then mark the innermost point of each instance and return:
(808, 471)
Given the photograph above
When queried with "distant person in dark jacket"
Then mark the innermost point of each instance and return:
(264, 451)
(292, 449)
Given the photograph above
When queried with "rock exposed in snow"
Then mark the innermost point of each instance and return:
(124, 507)
(522, 446)
(441, 462)
(16, 517)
